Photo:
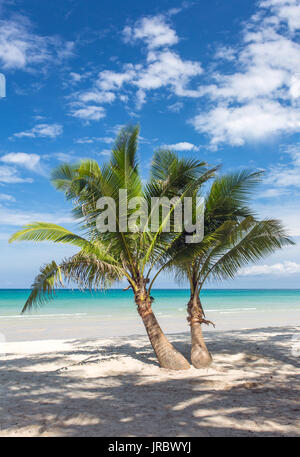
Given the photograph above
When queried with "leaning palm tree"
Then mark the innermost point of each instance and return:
(118, 253)
(233, 237)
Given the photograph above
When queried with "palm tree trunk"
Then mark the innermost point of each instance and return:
(168, 357)
(200, 356)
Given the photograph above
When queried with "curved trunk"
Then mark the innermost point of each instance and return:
(168, 357)
(200, 356)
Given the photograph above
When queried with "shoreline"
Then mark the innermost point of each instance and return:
(33, 328)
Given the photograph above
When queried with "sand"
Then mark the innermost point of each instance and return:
(114, 387)
(33, 326)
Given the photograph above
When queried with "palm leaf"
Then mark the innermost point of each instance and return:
(249, 241)
(46, 231)
(44, 285)
(86, 270)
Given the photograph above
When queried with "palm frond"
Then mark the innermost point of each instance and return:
(249, 241)
(88, 271)
(229, 196)
(85, 269)
(43, 288)
(46, 231)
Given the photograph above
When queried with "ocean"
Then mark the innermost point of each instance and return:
(168, 302)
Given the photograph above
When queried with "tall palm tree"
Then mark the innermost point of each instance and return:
(233, 237)
(104, 258)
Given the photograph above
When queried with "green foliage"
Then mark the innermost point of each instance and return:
(104, 258)
(44, 285)
(233, 237)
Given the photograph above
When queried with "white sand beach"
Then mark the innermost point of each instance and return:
(114, 387)
(30, 327)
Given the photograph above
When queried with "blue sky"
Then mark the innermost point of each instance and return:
(218, 80)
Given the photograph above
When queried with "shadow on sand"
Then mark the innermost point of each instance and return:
(61, 401)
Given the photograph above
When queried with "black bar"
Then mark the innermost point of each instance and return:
(156, 446)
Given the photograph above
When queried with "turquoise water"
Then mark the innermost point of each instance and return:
(167, 302)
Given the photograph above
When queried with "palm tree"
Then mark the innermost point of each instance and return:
(104, 258)
(233, 237)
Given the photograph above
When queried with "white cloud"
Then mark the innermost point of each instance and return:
(105, 152)
(181, 146)
(260, 98)
(96, 96)
(272, 193)
(152, 30)
(166, 68)
(41, 130)
(18, 218)
(9, 175)
(30, 161)
(87, 140)
(162, 68)
(175, 107)
(285, 268)
(288, 174)
(243, 87)
(253, 121)
(7, 198)
(111, 80)
(286, 10)
(225, 53)
(115, 129)
(85, 104)
(89, 113)
(20, 48)
(283, 176)
(76, 77)
(295, 87)
(64, 156)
